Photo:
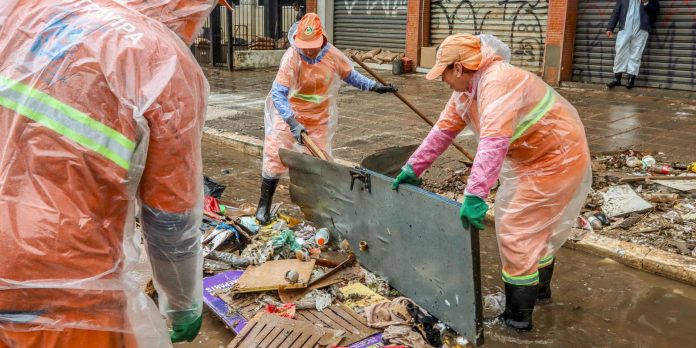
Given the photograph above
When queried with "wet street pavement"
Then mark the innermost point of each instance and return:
(596, 301)
(369, 122)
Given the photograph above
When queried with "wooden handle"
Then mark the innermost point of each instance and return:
(411, 106)
(315, 150)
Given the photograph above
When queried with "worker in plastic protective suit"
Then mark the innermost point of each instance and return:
(531, 139)
(303, 100)
(101, 112)
(635, 19)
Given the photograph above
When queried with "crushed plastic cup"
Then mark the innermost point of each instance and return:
(633, 162)
(648, 161)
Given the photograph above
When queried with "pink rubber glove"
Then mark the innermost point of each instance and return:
(430, 149)
(487, 164)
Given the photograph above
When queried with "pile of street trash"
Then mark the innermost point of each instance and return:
(376, 55)
(642, 198)
(290, 280)
(268, 43)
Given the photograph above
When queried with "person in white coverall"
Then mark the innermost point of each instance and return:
(635, 19)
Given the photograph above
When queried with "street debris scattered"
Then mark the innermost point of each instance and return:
(289, 281)
(296, 280)
(266, 330)
(376, 55)
(494, 303)
(662, 210)
(642, 198)
(622, 200)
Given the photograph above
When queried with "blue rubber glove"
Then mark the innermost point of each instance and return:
(186, 332)
(296, 128)
(473, 211)
(407, 175)
(381, 89)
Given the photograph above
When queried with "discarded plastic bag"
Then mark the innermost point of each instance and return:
(287, 237)
(212, 188)
(211, 204)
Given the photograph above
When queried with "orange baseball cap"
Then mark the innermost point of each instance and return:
(309, 33)
(462, 48)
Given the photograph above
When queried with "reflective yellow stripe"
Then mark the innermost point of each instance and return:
(66, 121)
(68, 110)
(545, 261)
(312, 98)
(525, 280)
(541, 109)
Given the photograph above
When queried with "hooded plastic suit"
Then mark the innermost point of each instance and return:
(101, 113)
(531, 139)
(306, 88)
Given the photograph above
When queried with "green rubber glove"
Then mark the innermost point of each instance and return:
(473, 211)
(186, 332)
(407, 175)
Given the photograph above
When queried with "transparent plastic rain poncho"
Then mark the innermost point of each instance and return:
(306, 89)
(531, 139)
(101, 112)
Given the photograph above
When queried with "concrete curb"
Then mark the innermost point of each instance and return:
(242, 143)
(678, 267)
(248, 145)
(651, 260)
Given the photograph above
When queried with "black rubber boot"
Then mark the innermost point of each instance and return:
(519, 305)
(631, 81)
(263, 211)
(545, 275)
(616, 81)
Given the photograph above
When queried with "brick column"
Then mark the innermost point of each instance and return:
(560, 40)
(417, 28)
(311, 6)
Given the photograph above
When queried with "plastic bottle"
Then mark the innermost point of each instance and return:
(593, 220)
(662, 197)
(322, 237)
(656, 168)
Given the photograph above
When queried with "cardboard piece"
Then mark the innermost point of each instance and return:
(680, 185)
(622, 200)
(339, 317)
(270, 331)
(427, 58)
(331, 258)
(346, 274)
(335, 275)
(216, 284)
(359, 296)
(271, 276)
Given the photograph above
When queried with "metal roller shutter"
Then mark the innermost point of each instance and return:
(669, 59)
(365, 24)
(520, 24)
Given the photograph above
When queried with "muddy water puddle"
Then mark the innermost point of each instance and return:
(597, 302)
